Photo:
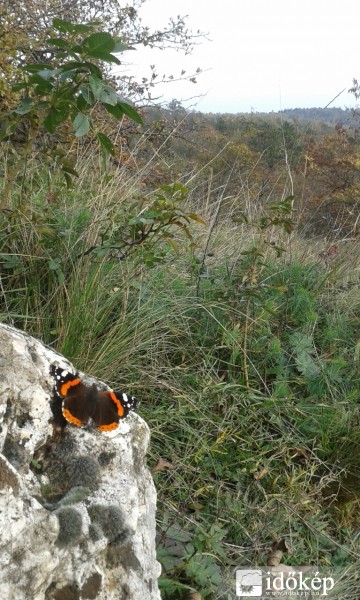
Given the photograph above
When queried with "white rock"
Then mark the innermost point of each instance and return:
(85, 526)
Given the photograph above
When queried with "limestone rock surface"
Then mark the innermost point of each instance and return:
(77, 506)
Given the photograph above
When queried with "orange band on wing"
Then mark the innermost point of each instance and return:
(118, 404)
(109, 427)
(69, 417)
(65, 386)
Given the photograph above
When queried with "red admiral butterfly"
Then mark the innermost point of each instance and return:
(81, 403)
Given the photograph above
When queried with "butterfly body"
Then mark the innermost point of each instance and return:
(83, 404)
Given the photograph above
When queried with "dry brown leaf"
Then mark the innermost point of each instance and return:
(161, 465)
(276, 554)
(301, 453)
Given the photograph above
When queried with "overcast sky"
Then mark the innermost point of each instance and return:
(263, 55)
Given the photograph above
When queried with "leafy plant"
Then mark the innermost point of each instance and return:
(66, 90)
(148, 222)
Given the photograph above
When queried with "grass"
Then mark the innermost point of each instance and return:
(246, 362)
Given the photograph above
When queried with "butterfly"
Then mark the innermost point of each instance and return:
(82, 404)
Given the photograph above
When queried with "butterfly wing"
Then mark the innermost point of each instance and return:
(74, 394)
(110, 408)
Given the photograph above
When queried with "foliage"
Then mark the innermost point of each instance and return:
(200, 297)
(70, 89)
(152, 220)
(275, 141)
(25, 25)
(249, 386)
(334, 167)
(258, 157)
(63, 236)
(264, 441)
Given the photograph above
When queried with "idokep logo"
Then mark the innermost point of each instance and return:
(291, 582)
(249, 583)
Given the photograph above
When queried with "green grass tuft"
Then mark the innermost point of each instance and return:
(246, 362)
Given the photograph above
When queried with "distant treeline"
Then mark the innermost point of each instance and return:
(334, 116)
(348, 117)
(322, 118)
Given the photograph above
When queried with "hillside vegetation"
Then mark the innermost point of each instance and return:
(208, 264)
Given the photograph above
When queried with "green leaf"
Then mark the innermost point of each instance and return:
(152, 214)
(187, 232)
(106, 143)
(25, 106)
(54, 264)
(54, 118)
(82, 28)
(17, 87)
(131, 112)
(74, 50)
(105, 56)
(58, 42)
(283, 206)
(10, 261)
(36, 78)
(60, 274)
(73, 65)
(122, 109)
(81, 103)
(203, 569)
(46, 231)
(116, 111)
(102, 41)
(36, 68)
(81, 125)
(47, 74)
(43, 89)
(63, 26)
(137, 221)
(96, 85)
(120, 47)
(86, 94)
(42, 104)
(104, 93)
(94, 69)
(108, 95)
(81, 67)
(288, 226)
(179, 187)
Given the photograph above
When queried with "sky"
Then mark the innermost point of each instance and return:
(260, 56)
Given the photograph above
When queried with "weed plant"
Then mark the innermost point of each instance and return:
(245, 357)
